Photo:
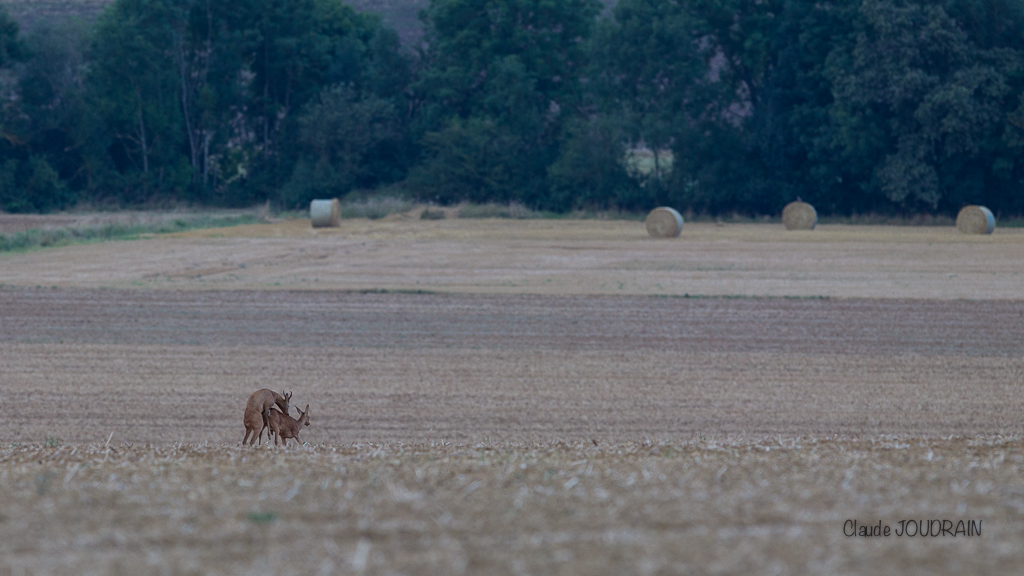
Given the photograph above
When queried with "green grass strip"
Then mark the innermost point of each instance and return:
(49, 238)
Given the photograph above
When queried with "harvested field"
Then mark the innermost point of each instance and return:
(666, 508)
(547, 257)
(523, 413)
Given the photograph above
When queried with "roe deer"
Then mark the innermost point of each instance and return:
(256, 412)
(284, 426)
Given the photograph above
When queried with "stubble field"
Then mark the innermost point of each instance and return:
(515, 397)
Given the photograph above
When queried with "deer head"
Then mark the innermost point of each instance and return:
(284, 403)
(304, 416)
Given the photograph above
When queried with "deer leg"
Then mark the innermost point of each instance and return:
(246, 437)
(266, 423)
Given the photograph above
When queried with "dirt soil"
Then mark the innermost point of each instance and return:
(499, 423)
(406, 367)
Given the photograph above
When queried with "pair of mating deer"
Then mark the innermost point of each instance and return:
(260, 415)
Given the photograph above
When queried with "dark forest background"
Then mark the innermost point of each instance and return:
(857, 106)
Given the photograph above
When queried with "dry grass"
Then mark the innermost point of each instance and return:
(502, 228)
(701, 507)
(376, 207)
(553, 257)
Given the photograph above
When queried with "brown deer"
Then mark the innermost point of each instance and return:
(284, 426)
(256, 410)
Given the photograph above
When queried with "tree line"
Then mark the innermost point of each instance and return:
(888, 106)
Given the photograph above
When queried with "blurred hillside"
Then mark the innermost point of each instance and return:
(402, 15)
(29, 12)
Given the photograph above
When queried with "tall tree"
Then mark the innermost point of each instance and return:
(504, 75)
(345, 140)
(28, 182)
(934, 99)
(11, 47)
(201, 100)
(857, 105)
(292, 49)
(134, 94)
(647, 62)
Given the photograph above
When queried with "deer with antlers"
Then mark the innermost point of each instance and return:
(257, 411)
(284, 426)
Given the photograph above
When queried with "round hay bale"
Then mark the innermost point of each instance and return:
(799, 215)
(664, 222)
(975, 220)
(325, 213)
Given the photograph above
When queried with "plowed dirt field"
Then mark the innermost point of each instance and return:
(515, 398)
(166, 366)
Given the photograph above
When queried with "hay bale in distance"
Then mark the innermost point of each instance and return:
(799, 215)
(975, 220)
(325, 213)
(664, 222)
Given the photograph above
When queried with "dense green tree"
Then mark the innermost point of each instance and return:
(291, 50)
(691, 77)
(345, 141)
(644, 68)
(591, 170)
(934, 99)
(718, 164)
(136, 128)
(202, 100)
(857, 105)
(500, 77)
(11, 47)
(51, 99)
(713, 105)
(31, 134)
(11, 50)
(470, 160)
(792, 128)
